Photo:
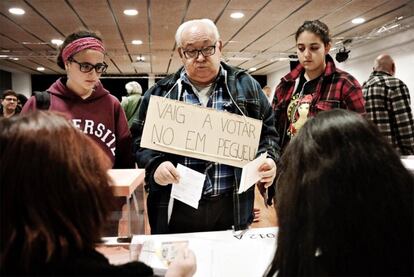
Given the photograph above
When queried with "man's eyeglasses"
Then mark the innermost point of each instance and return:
(10, 99)
(206, 52)
(87, 67)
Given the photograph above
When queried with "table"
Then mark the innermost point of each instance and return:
(223, 253)
(125, 182)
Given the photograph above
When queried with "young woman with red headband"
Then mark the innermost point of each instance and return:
(82, 98)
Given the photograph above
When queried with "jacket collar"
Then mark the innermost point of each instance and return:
(380, 73)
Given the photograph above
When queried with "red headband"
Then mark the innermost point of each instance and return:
(81, 44)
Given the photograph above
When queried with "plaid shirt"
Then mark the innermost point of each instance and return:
(219, 177)
(388, 106)
(335, 89)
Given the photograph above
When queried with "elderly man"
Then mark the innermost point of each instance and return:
(388, 105)
(203, 80)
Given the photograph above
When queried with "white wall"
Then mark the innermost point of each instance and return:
(400, 46)
(22, 83)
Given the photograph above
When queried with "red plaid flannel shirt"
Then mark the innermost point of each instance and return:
(335, 89)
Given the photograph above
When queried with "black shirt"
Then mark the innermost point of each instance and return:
(309, 87)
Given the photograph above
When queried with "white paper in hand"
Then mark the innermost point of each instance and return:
(250, 173)
(190, 187)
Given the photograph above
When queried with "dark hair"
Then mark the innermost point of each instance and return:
(318, 28)
(345, 202)
(22, 98)
(73, 37)
(55, 193)
(8, 92)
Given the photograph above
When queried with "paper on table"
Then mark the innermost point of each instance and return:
(189, 189)
(250, 173)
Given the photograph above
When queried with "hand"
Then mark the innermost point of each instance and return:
(267, 172)
(166, 174)
(256, 214)
(184, 264)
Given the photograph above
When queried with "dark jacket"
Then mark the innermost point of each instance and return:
(249, 97)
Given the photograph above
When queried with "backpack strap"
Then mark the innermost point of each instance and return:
(42, 99)
(137, 105)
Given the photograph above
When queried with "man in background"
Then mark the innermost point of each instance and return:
(130, 103)
(268, 92)
(9, 104)
(388, 105)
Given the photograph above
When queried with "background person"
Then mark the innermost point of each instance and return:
(268, 92)
(9, 104)
(21, 101)
(130, 103)
(339, 218)
(81, 96)
(53, 210)
(204, 81)
(316, 75)
(388, 105)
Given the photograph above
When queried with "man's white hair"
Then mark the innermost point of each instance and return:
(133, 88)
(187, 24)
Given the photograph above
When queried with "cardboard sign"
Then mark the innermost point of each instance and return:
(204, 133)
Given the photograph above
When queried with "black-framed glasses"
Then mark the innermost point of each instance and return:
(88, 67)
(11, 99)
(206, 52)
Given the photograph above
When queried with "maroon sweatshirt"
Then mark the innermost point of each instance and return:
(100, 116)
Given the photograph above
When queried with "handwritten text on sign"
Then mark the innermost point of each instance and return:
(189, 130)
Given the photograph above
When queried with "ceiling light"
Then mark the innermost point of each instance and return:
(130, 12)
(17, 11)
(15, 59)
(358, 20)
(137, 41)
(58, 42)
(251, 69)
(40, 68)
(237, 15)
(3, 56)
(140, 58)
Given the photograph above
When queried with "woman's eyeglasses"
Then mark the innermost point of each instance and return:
(88, 67)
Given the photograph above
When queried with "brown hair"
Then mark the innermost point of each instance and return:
(72, 37)
(344, 202)
(55, 193)
(8, 92)
(317, 27)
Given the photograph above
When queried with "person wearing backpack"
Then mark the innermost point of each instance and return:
(82, 98)
(131, 103)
